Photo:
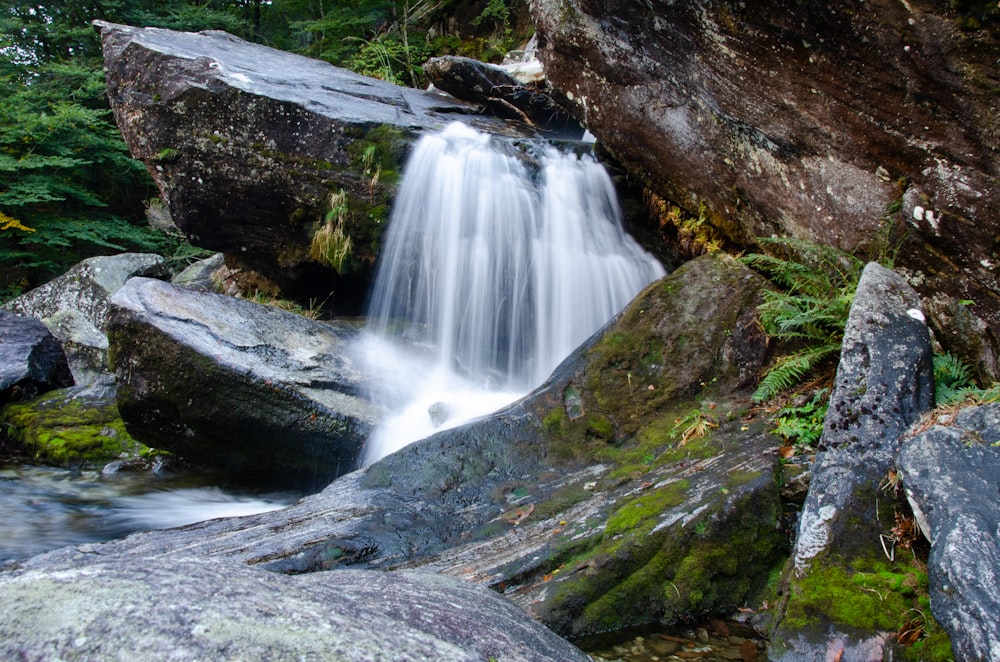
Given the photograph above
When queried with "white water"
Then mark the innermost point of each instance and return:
(490, 276)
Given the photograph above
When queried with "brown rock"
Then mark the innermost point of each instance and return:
(840, 122)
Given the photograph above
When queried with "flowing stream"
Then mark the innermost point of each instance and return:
(497, 263)
(48, 507)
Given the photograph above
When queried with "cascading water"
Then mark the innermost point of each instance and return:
(491, 275)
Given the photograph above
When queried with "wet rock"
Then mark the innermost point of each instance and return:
(838, 122)
(884, 383)
(502, 94)
(32, 360)
(74, 306)
(236, 385)
(211, 610)
(75, 427)
(656, 503)
(250, 147)
(951, 474)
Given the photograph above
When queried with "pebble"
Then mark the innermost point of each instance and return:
(715, 641)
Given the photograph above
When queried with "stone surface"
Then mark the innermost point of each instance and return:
(199, 609)
(884, 383)
(74, 307)
(589, 502)
(76, 427)
(832, 121)
(245, 387)
(951, 474)
(31, 359)
(201, 275)
(247, 145)
(502, 94)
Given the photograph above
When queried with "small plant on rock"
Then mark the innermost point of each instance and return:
(331, 245)
(802, 425)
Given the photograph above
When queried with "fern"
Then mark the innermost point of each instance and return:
(816, 288)
(791, 370)
(803, 425)
(952, 379)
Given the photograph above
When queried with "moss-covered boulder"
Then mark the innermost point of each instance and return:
(71, 427)
(657, 498)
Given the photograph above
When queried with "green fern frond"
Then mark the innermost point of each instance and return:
(816, 289)
(952, 379)
(791, 369)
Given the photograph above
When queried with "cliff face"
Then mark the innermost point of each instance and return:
(854, 124)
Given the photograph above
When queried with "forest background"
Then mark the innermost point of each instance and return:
(68, 187)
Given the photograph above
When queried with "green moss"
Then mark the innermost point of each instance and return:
(876, 596)
(738, 478)
(560, 501)
(600, 427)
(638, 513)
(677, 573)
(168, 155)
(553, 421)
(60, 430)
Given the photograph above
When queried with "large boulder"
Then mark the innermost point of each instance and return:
(884, 383)
(197, 609)
(32, 360)
(257, 391)
(841, 122)
(74, 307)
(951, 474)
(628, 489)
(251, 148)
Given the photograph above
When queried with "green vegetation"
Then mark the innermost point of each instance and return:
(330, 244)
(802, 425)
(816, 288)
(62, 430)
(68, 187)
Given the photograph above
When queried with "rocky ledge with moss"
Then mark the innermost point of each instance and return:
(623, 491)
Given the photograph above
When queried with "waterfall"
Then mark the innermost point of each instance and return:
(495, 267)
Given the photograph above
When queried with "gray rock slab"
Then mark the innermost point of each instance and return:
(32, 360)
(74, 306)
(884, 383)
(200, 609)
(239, 385)
(951, 474)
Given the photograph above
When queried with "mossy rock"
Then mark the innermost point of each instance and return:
(680, 515)
(78, 427)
